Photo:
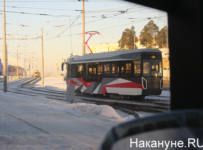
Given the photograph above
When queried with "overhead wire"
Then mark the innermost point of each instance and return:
(113, 26)
(92, 21)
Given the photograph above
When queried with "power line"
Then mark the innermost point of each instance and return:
(24, 38)
(70, 25)
(31, 13)
(119, 11)
(65, 9)
(110, 27)
(21, 1)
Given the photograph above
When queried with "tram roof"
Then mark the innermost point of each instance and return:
(120, 55)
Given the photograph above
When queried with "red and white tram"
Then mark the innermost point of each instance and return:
(122, 73)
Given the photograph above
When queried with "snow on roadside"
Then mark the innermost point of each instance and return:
(105, 111)
(81, 110)
(72, 126)
(55, 83)
(166, 93)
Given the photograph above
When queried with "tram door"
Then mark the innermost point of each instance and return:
(152, 76)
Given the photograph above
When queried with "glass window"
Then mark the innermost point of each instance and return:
(106, 68)
(128, 68)
(80, 69)
(113, 68)
(99, 69)
(160, 68)
(137, 67)
(94, 70)
(122, 69)
(90, 70)
(73, 69)
(146, 68)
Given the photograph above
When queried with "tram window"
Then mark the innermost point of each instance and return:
(128, 68)
(99, 69)
(80, 69)
(160, 68)
(90, 70)
(118, 69)
(94, 71)
(106, 68)
(122, 69)
(73, 72)
(137, 67)
(146, 68)
(113, 68)
(154, 67)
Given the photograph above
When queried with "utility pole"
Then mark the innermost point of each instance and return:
(24, 69)
(83, 28)
(71, 47)
(17, 65)
(42, 58)
(29, 67)
(5, 59)
(134, 41)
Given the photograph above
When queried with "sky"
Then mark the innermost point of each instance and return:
(61, 22)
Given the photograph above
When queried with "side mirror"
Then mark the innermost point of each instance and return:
(171, 130)
(62, 65)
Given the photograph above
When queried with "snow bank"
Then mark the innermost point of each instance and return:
(166, 93)
(84, 109)
(38, 122)
(56, 83)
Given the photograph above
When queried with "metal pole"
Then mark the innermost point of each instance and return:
(71, 47)
(42, 58)
(5, 59)
(134, 41)
(24, 69)
(17, 66)
(30, 67)
(83, 28)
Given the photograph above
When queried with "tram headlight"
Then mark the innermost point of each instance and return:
(156, 75)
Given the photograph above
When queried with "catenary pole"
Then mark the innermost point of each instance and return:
(17, 64)
(83, 28)
(42, 42)
(24, 71)
(5, 59)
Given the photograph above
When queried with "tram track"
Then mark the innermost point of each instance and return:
(128, 106)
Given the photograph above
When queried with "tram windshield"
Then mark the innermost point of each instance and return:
(152, 68)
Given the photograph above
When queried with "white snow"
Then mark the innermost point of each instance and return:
(41, 124)
(84, 109)
(165, 93)
(165, 96)
(56, 83)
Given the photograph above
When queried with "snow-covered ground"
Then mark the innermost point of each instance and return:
(165, 93)
(38, 123)
(56, 83)
(42, 124)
